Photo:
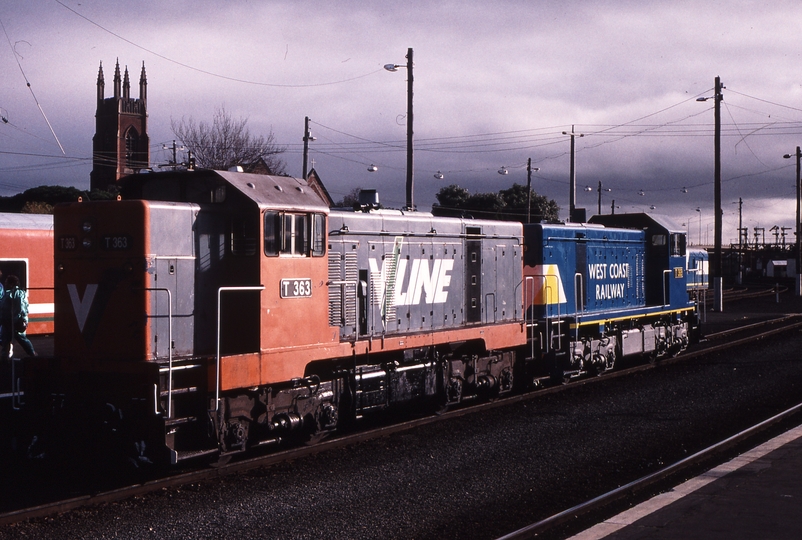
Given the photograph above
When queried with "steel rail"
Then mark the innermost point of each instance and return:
(339, 441)
(540, 527)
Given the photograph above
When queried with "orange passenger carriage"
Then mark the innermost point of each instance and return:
(26, 251)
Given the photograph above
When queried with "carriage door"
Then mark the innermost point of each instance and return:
(473, 275)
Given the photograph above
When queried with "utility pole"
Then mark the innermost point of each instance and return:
(798, 227)
(718, 301)
(410, 160)
(798, 280)
(529, 190)
(410, 204)
(572, 187)
(740, 243)
(600, 192)
(529, 170)
(307, 137)
(174, 162)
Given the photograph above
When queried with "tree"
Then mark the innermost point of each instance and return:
(515, 201)
(508, 204)
(41, 199)
(226, 143)
(350, 199)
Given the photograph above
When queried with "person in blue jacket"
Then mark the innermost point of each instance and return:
(14, 318)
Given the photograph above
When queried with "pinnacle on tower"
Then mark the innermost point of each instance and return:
(117, 80)
(126, 85)
(101, 84)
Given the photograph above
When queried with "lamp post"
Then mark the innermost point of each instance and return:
(572, 187)
(798, 280)
(307, 137)
(717, 273)
(410, 204)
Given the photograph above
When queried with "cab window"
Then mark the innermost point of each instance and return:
(677, 245)
(294, 234)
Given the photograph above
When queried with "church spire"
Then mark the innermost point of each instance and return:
(143, 84)
(126, 85)
(101, 84)
(117, 80)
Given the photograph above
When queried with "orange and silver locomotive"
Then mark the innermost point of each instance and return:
(214, 311)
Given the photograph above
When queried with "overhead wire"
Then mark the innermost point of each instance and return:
(28, 83)
(211, 73)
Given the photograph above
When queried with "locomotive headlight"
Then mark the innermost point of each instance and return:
(60, 268)
(87, 226)
(87, 243)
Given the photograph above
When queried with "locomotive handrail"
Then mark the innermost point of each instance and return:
(529, 310)
(343, 283)
(548, 289)
(220, 292)
(169, 350)
(666, 277)
(579, 305)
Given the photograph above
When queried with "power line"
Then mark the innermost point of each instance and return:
(16, 58)
(210, 73)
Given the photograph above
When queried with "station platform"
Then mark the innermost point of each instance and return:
(756, 495)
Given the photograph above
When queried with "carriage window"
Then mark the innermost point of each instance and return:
(659, 240)
(318, 235)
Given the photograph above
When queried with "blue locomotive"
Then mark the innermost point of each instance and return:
(600, 291)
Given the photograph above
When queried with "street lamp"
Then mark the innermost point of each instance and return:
(572, 187)
(410, 174)
(718, 299)
(798, 280)
(699, 241)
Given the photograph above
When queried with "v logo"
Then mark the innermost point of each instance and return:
(81, 306)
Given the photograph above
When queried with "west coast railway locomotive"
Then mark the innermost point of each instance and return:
(209, 312)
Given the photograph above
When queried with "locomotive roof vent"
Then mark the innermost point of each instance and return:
(369, 199)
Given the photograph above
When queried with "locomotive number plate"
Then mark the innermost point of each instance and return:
(67, 243)
(119, 242)
(296, 288)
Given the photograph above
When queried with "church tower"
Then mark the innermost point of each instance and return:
(121, 145)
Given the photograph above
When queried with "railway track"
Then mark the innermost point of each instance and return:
(714, 343)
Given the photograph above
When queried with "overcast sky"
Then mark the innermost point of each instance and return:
(495, 83)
